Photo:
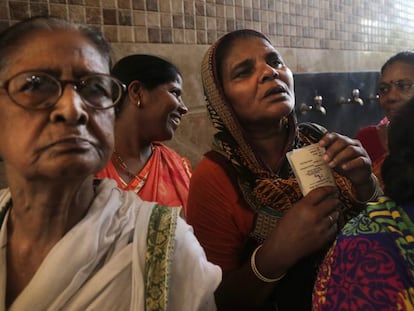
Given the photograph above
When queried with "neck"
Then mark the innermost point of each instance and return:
(130, 164)
(46, 212)
(270, 145)
(41, 214)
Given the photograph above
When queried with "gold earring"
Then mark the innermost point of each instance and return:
(285, 121)
(138, 103)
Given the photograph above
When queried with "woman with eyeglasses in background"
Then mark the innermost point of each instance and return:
(395, 88)
(70, 241)
(370, 266)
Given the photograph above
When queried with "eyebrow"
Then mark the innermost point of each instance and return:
(272, 54)
(391, 81)
(245, 63)
(250, 61)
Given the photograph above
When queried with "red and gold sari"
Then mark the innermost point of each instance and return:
(165, 178)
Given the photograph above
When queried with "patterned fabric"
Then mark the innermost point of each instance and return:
(160, 247)
(371, 266)
(267, 192)
(165, 178)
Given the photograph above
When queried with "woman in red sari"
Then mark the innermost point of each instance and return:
(245, 203)
(149, 113)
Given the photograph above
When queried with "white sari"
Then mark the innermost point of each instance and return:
(100, 264)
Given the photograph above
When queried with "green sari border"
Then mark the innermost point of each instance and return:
(158, 258)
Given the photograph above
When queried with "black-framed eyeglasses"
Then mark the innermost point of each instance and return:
(403, 86)
(40, 90)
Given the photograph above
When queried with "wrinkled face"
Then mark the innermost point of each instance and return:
(164, 108)
(69, 139)
(397, 86)
(256, 82)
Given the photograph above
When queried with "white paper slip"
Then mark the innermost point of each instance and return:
(309, 168)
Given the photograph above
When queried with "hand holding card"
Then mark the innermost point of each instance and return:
(309, 168)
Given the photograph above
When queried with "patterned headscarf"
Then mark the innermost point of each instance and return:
(267, 192)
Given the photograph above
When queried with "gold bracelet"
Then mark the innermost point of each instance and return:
(257, 273)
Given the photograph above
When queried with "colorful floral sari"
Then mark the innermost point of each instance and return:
(371, 266)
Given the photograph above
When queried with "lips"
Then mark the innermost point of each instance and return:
(70, 143)
(274, 91)
(176, 119)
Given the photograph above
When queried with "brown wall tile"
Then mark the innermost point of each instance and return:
(76, 2)
(39, 9)
(140, 34)
(59, 10)
(152, 5)
(124, 17)
(154, 35)
(138, 4)
(93, 15)
(352, 24)
(19, 10)
(166, 36)
(124, 4)
(109, 17)
(77, 13)
(111, 33)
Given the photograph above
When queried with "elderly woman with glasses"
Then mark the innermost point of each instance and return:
(69, 241)
(395, 89)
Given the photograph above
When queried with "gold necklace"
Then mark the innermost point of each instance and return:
(124, 166)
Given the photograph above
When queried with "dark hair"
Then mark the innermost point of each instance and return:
(398, 167)
(225, 43)
(11, 37)
(403, 56)
(150, 70)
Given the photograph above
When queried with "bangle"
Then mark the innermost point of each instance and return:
(257, 273)
(377, 192)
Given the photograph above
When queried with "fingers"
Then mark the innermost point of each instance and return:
(320, 194)
(332, 231)
(325, 204)
(331, 225)
(347, 157)
(343, 152)
(333, 217)
(310, 224)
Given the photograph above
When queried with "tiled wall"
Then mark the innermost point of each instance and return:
(312, 35)
(365, 25)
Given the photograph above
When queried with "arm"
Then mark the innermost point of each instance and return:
(222, 222)
(195, 278)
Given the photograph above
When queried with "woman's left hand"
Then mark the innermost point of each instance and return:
(347, 157)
